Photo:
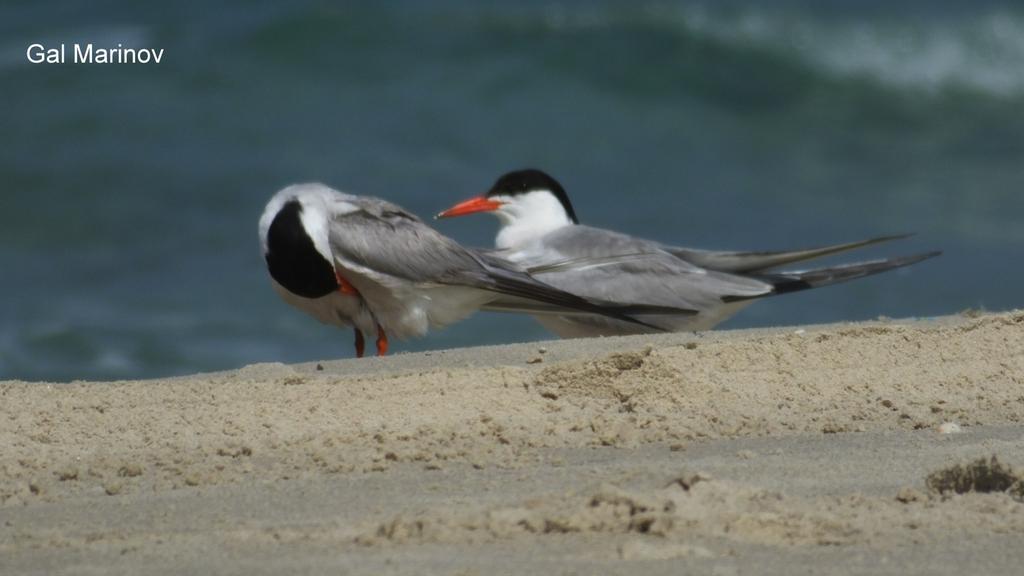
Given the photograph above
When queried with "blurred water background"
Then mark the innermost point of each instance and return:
(129, 195)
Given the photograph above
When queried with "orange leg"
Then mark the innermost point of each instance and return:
(360, 344)
(344, 286)
(382, 341)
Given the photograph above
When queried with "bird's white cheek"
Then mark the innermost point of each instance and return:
(504, 216)
(528, 217)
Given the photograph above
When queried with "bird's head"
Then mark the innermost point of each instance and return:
(528, 203)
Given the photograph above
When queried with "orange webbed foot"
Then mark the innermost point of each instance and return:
(382, 341)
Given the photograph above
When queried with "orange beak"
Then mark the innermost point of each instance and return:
(471, 206)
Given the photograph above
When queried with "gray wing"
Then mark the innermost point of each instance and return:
(608, 266)
(729, 261)
(383, 238)
(601, 264)
(381, 245)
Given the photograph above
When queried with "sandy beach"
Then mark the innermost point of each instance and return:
(834, 449)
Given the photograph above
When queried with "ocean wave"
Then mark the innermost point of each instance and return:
(981, 52)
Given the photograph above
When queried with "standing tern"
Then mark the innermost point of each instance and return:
(363, 262)
(540, 231)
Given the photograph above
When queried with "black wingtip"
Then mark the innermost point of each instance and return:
(795, 281)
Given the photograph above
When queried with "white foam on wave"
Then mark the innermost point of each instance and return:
(982, 53)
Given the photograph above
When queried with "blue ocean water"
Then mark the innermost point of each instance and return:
(129, 195)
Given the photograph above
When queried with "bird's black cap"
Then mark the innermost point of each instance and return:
(530, 180)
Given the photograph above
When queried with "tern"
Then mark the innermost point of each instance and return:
(540, 231)
(364, 262)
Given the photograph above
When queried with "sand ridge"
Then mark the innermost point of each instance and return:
(273, 421)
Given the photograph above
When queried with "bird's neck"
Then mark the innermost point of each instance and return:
(516, 233)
